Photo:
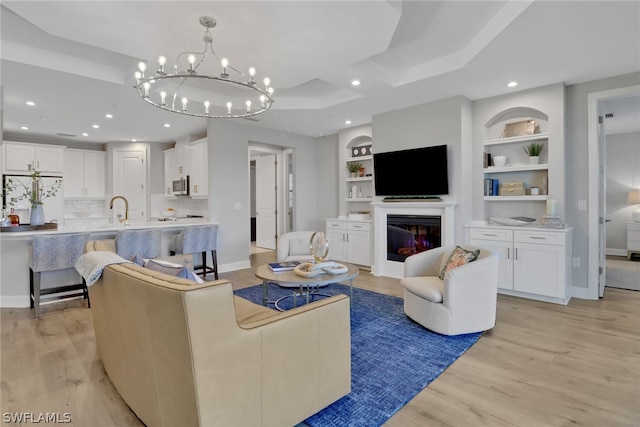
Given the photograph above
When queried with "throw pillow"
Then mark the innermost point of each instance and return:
(459, 256)
(171, 268)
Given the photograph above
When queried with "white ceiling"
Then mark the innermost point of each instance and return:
(76, 59)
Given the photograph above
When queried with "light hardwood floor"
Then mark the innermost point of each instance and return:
(542, 365)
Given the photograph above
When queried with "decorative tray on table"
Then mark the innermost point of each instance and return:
(27, 227)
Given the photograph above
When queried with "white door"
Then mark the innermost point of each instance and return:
(130, 181)
(266, 202)
(602, 210)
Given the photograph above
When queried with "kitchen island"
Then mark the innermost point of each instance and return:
(15, 251)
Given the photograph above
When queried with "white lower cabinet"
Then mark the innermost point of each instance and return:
(533, 262)
(349, 241)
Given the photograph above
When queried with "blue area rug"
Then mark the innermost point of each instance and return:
(392, 357)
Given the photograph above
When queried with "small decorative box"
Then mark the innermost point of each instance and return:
(361, 150)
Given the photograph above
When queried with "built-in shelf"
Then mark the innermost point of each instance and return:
(360, 179)
(516, 139)
(516, 168)
(513, 198)
(359, 158)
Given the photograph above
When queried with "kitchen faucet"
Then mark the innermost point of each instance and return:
(126, 208)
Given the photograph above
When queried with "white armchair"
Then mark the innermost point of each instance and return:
(294, 246)
(462, 303)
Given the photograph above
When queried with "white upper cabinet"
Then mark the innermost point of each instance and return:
(22, 158)
(196, 160)
(169, 172)
(84, 174)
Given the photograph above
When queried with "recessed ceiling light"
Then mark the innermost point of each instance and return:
(24, 128)
(108, 116)
(347, 122)
(31, 103)
(96, 126)
(167, 125)
(133, 140)
(512, 84)
(85, 134)
(355, 82)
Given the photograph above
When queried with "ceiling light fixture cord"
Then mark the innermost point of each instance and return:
(223, 90)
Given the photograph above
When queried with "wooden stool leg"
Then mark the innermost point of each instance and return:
(36, 293)
(30, 288)
(204, 263)
(214, 258)
(86, 292)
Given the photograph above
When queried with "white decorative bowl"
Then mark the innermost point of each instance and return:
(499, 161)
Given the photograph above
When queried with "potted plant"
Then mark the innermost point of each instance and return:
(353, 168)
(34, 192)
(533, 150)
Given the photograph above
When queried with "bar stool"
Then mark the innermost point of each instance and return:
(144, 243)
(198, 238)
(54, 253)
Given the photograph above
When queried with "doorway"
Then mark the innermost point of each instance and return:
(272, 195)
(597, 103)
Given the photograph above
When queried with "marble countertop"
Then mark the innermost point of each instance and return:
(102, 230)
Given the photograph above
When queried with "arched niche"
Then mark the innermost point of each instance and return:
(359, 140)
(516, 113)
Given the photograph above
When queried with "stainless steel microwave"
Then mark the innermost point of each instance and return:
(181, 186)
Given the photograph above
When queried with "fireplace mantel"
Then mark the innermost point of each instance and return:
(383, 267)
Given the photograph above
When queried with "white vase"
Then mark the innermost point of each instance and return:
(37, 215)
(534, 160)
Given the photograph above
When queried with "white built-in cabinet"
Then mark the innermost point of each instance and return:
(196, 160)
(349, 241)
(187, 159)
(84, 174)
(22, 158)
(359, 188)
(533, 261)
(170, 172)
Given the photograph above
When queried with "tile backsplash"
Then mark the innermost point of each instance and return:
(85, 208)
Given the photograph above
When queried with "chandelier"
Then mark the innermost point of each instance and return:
(176, 91)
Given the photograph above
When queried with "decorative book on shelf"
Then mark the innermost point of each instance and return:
(283, 266)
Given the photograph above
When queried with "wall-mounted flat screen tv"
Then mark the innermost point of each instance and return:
(414, 172)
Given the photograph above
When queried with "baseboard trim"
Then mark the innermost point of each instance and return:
(235, 266)
(579, 292)
(14, 301)
(616, 252)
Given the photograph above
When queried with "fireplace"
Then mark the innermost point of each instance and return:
(410, 234)
(444, 211)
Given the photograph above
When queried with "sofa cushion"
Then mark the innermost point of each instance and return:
(459, 256)
(430, 288)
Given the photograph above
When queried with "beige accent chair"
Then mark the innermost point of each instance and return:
(187, 354)
(462, 303)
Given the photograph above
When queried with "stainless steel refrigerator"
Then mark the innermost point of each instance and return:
(53, 206)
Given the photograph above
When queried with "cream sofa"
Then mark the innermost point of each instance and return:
(188, 354)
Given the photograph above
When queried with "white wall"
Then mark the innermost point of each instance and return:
(577, 161)
(447, 121)
(228, 147)
(623, 173)
(327, 179)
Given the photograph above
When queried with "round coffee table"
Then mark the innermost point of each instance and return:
(307, 285)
